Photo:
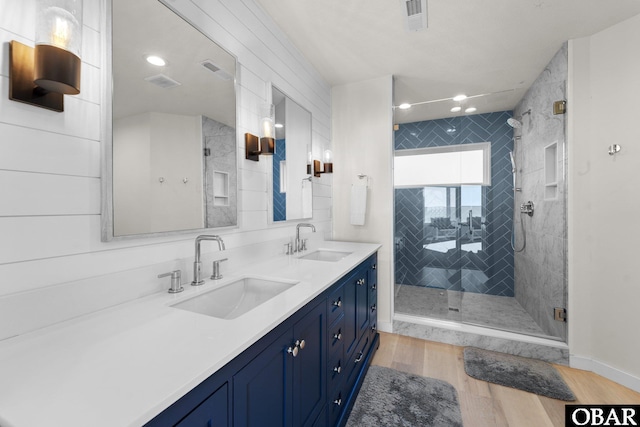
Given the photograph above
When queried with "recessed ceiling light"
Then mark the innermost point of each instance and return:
(404, 106)
(279, 125)
(156, 60)
(456, 109)
(459, 97)
(470, 110)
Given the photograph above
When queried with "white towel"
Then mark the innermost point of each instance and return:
(307, 199)
(358, 203)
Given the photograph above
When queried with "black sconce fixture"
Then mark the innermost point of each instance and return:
(328, 164)
(251, 147)
(40, 76)
(266, 143)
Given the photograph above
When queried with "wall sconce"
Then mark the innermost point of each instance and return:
(328, 161)
(266, 143)
(40, 76)
(268, 129)
(328, 164)
(309, 160)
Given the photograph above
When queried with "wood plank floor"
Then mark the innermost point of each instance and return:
(488, 405)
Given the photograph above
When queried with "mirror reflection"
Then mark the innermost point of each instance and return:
(292, 187)
(174, 124)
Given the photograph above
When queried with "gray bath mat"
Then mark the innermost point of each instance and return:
(534, 376)
(393, 398)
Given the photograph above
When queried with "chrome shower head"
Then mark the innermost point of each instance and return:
(516, 124)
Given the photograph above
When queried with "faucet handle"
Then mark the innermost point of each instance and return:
(176, 276)
(216, 269)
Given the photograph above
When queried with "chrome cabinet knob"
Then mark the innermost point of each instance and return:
(373, 308)
(374, 287)
(337, 369)
(338, 401)
(360, 282)
(300, 344)
(293, 350)
(337, 303)
(374, 266)
(337, 336)
(373, 327)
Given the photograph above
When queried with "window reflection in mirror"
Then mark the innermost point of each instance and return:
(173, 125)
(292, 197)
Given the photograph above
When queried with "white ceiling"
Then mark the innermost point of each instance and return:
(471, 46)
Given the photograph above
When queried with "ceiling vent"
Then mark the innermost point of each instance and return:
(414, 13)
(217, 71)
(162, 81)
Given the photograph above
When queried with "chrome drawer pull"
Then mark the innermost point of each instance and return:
(359, 359)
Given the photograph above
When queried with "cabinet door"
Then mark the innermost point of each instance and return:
(210, 413)
(261, 388)
(350, 306)
(309, 367)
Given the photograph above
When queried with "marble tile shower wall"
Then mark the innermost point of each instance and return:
(220, 139)
(415, 265)
(541, 282)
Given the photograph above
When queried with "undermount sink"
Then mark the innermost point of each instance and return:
(236, 298)
(326, 255)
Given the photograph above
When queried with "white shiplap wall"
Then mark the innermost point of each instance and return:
(53, 265)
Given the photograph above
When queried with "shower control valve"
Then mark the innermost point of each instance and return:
(527, 208)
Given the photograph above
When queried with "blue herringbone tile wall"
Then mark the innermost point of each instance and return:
(279, 199)
(489, 271)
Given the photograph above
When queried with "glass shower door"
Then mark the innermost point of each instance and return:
(442, 251)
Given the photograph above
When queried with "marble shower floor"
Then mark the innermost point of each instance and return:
(484, 310)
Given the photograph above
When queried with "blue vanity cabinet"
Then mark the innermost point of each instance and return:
(285, 385)
(304, 373)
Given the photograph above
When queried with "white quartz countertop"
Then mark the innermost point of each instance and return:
(124, 365)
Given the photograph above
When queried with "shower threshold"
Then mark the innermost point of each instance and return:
(550, 349)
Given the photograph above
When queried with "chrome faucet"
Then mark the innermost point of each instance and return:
(197, 265)
(298, 244)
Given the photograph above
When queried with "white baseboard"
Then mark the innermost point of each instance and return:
(606, 371)
(385, 326)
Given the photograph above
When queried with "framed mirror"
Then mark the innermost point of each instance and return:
(170, 154)
(292, 194)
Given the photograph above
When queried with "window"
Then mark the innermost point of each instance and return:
(453, 165)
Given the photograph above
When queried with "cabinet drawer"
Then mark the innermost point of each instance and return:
(336, 403)
(357, 361)
(335, 304)
(335, 372)
(335, 336)
(211, 413)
